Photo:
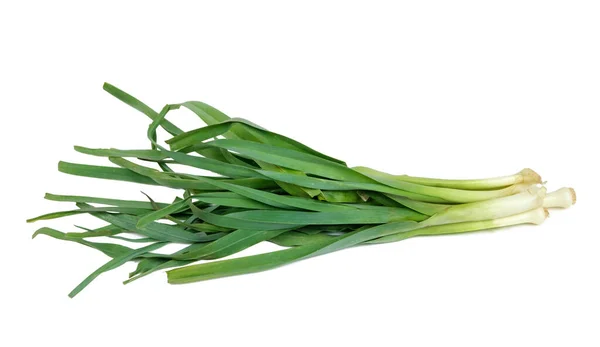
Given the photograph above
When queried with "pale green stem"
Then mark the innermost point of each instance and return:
(524, 176)
(449, 194)
(535, 216)
(490, 209)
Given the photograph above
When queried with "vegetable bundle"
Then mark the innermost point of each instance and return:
(266, 187)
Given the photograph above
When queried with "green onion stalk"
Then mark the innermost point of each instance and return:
(266, 187)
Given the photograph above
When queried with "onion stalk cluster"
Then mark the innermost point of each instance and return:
(260, 186)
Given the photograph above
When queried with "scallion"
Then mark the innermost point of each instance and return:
(266, 187)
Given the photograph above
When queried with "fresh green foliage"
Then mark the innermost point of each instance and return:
(266, 187)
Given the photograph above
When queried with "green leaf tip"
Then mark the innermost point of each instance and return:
(31, 220)
(110, 88)
(36, 233)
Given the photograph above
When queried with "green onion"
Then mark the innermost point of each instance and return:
(266, 187)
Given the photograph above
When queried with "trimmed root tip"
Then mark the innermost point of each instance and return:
(537, 216)
(530, 176)
(573, 195)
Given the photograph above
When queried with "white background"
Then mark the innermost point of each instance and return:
(446, 89)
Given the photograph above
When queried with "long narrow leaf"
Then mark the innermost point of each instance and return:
(266, 261)
(113, 264)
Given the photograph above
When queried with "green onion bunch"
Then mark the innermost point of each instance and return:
(266, 187)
